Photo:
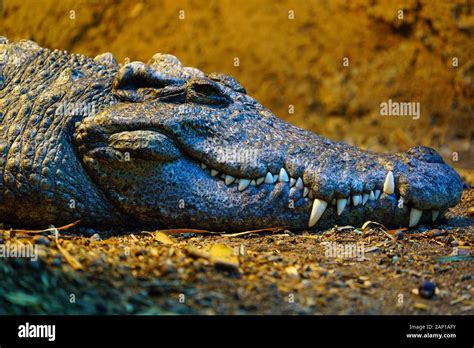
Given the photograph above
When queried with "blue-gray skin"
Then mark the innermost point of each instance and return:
(162, 145)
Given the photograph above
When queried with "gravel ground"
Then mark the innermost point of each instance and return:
(345, 270)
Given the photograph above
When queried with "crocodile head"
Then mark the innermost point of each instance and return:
(185, 149)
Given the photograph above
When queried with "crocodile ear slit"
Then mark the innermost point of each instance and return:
(227, 80)
(207, 92)
(137, 82)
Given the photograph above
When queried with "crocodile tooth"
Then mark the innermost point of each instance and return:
(341, 204)
(214, 172)
(269, 178)
(415, 215)
(319, 206)
(299, 184)
(333, 202)
(389, 184)
(377, 194)
(275, 178)
(243, 184)
(292, 182)
(434, 215)
(229, 179)
(305, 191)
(283, 177)
(260, 180)
(365, 198)
(371, 196)
(253, 183)
(356, 200)
(203, 166)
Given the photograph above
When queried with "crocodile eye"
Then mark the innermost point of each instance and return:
(203, 91)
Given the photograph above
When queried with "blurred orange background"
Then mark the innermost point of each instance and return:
(290, 56)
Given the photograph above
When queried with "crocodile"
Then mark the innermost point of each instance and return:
(159, 144)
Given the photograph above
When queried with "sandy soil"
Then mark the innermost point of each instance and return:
(340, 271)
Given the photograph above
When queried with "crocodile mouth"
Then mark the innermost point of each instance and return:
(355, 203)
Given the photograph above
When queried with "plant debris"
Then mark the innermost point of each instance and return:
(344, 270)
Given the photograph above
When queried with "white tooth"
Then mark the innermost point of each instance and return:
(333, 202)
(319, 206)
(214, 172)
(356, 200)
(377, 194)
(237, 181)
(389, 184)
(253, 183)
(434, 214)
(275, 177)
(415, 216)
(310, 195)
(292, 182)
(229, 179)
(305, 191)
(203, 166)
(283, 177)
(243, 184)
(222, 176)
(341, 204)
(371, 196)
(365, 198)
(260, 180)
(299, 184)
(269, 178)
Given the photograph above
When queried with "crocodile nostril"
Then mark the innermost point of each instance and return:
(425, 154)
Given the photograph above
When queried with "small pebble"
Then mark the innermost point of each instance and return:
(464, 251)
(436, 233)
(89, 232)
(56, 262)
(95, 236)
(421, 306)
(466, 277)
(427, 289)
(42, 241)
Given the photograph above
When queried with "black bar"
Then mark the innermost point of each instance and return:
(288, 330)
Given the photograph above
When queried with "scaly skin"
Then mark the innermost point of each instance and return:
(148, 154)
